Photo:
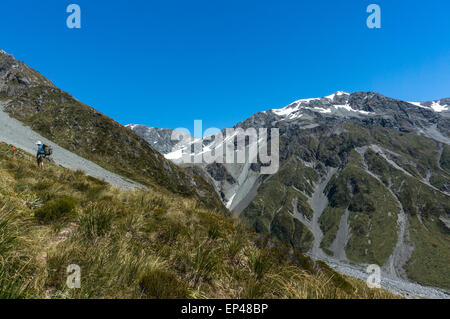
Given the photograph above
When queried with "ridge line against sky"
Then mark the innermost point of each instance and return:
(167, 64)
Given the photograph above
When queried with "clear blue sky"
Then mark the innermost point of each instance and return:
(166, 63)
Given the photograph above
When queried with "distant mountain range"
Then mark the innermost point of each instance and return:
(363, 179)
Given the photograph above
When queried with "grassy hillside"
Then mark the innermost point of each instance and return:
(139, 244)
(58, 116)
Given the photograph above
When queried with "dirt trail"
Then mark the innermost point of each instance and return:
(16, 133)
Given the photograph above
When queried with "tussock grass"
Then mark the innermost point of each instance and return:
(162, 284)
(139, 244)
(57, 209)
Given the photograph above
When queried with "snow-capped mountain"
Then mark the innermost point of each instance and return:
(362, 178)
(437, 106)
(429, 119)
(425, 118)
(344, 104)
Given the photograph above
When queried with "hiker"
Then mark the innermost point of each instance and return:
(40, 154)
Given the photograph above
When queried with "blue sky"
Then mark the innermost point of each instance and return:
(166, 63)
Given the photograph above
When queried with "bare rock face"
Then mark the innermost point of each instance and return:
(159, 138)
(16, 76)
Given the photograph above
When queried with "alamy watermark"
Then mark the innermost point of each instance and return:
(74, 19)
(374, 279)
(236, 146)
(74, 278)
(374, 20)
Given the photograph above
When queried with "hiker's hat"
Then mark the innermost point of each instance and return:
(38, 143)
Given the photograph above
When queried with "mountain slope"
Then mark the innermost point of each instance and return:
(363, 179)
(384, 200)
(15, 133)
(56, 115)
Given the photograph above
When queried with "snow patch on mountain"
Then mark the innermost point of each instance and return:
(350, 109)
(436, 106)
(319, 109)
(174, 155)
(294, 110)
(295, 106)
(338, 93)
(285, 110)
(132, 126)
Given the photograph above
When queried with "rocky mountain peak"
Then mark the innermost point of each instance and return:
(16, 76)
(3, 52)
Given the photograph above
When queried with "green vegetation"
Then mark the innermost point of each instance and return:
(373, 214)
(139, 244)
(56, 209)
(337, 279)
(334, 148)
(329, 223)
(160, 284)
(431, 255)
(369, 188)
(417, 155)
(424, 206)
(445, 158)
(272, 209)
(296, 174)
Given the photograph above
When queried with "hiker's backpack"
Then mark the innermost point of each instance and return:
(48, 150)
